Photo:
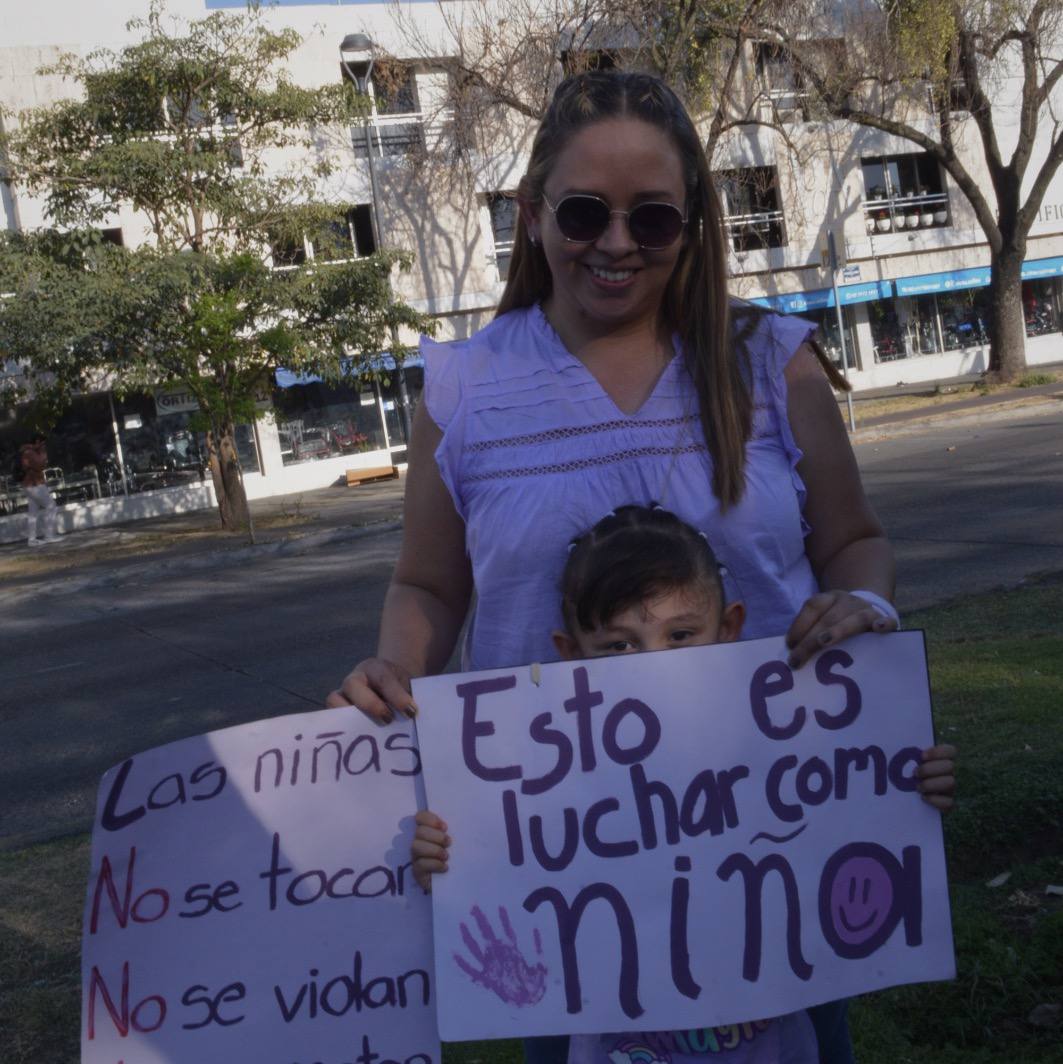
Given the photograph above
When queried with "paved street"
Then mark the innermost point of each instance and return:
(110, 666)
(970, 506)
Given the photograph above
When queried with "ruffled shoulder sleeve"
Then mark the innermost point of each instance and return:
(442, 379)
(771, 342)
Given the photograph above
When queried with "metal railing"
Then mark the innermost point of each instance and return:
(389, 135)
(761, 229)
(905, 213)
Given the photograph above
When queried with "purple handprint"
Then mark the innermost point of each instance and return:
(503, 968)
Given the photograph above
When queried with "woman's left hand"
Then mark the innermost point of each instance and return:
(828, 618)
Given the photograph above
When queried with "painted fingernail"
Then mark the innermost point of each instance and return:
(824, 638)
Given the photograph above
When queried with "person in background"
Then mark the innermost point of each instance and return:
(40, 505)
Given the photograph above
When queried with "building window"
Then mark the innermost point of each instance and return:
(904, 192)
(503, 209)
(752, 215)
(287, 252)
(112, 236)
(395, 125)
(584, 59)
(349, 235)
(780, 81)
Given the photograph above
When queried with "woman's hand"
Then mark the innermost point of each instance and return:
(430, 848)
(377, 687)
(937, 776)
(828, 618)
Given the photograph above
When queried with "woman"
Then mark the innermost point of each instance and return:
(616, 372)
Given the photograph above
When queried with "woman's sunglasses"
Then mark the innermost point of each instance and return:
(583, 219)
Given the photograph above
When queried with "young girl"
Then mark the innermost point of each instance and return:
(641, 580)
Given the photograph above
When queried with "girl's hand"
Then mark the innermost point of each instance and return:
(378, 688)
(430, 848)
(828, 618)
(937, 776)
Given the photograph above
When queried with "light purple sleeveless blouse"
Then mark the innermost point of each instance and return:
(534, 452)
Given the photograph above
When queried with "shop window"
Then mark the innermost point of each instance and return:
(829, 337)
(1040, 306)
(395, 125)
(922, 335)
(752, 214)
(887, 338)
(503, 209)
(964, 318)
(904, 192)
(317, 421)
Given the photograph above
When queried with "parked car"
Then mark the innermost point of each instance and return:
(314, 444)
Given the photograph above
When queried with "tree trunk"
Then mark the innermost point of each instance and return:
(228, 484)
(1007, 324)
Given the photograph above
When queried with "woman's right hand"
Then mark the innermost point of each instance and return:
(379, 688)
(430, 848)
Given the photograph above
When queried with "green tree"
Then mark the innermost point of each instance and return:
(199, 129)
(964, 80)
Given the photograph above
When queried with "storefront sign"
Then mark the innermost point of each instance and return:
(1034, 268)
(851, 273)
(797, 302)
(251, 900)
(682, 840)
(950, 281)
(177, 401)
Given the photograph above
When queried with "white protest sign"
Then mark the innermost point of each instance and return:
(251, 899)
(683, 839)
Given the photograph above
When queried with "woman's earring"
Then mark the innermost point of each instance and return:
(533, 239)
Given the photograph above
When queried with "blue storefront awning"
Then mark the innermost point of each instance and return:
(921, 284)
(285, 378)
(1042, 268)
(798, 302)
(949, 281)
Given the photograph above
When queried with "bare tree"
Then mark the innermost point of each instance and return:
(973, 84)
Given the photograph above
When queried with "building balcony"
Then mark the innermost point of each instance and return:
(750, 232)
(904, 213)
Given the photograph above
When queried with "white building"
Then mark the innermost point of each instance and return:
(913, 263)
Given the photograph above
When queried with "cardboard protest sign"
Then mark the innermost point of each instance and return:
(251, 899)
(684, 839)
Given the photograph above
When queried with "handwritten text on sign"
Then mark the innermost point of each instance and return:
(251, 899)
(682, 839)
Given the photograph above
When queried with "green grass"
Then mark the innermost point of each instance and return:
(1032, 380)
(997, 670)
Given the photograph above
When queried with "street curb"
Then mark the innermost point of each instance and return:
(999, 412)
(290, 545)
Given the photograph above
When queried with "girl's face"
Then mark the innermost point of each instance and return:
(678, 618)
(610, 283)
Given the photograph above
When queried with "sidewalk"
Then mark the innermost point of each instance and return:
(298, 522)
(197, 540)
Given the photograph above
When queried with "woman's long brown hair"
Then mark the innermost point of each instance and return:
(696, 303)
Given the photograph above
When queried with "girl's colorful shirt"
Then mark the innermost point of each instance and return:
(786, 1040)
(534, 452)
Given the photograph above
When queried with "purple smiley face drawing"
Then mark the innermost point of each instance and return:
(865, 892)
(861, 898)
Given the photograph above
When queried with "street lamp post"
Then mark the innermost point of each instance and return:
(360, 44)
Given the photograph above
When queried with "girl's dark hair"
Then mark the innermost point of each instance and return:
(632, 555)
(696, 304)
